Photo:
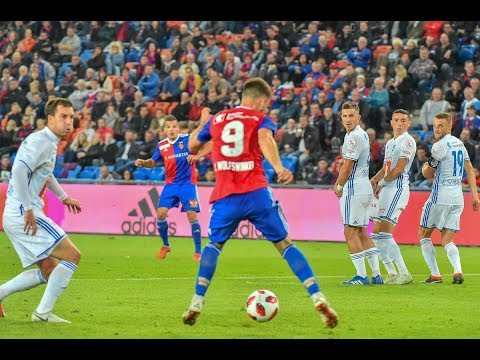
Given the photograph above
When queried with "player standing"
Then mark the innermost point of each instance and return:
(240, 136)
(392, 187)
(180, 184)
(356, 198)
(443, 208)
(35, 237)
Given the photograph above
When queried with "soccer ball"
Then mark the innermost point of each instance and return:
(262, 305)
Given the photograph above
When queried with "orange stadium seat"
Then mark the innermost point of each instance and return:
(172, 106)
(163, 105)
(130, 65)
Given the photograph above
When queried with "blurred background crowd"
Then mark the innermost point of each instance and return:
(124, 77)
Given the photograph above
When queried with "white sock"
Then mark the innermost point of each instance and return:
(57, 283)
(429, 255)
(358, 260)
(381, 244)
(372, 258)
(395, 254)
(24, 281)
(454, 257)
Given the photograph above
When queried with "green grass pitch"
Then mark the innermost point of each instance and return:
(121, 291)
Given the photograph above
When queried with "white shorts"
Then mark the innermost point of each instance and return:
(374, 211)
(31, 249)
(392, 201)
(355, 209)
(439, 216)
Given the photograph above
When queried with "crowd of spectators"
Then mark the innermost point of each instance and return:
(124, 77)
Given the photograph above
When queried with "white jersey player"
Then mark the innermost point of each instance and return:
(355, 192)
(35, 237)
(443, 208)
(392, 187)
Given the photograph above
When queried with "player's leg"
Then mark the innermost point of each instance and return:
(386, 260)
(432, 216)
(225, 216)
(191, 204)
(355, 214)
(452, 225)
(162, 227)
(168, 199)
(25, 246)
(265, 213)
(59, 278)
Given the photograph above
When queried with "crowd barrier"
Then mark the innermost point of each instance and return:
(312, 214)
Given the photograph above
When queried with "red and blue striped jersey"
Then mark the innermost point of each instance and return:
(174, 153)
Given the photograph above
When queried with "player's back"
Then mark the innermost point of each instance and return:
(236, 154)
(447, 182)
(37, 152)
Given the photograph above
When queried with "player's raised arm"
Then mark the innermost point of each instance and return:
(194, 143)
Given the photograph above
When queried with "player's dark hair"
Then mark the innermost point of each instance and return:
(169, 118)
(257, 87)
(51, 105)
(403, 112)
(347, 105)
(445, 116)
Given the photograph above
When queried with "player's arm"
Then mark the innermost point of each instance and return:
(269, 148)
(472, 182)
(428, 170)
(196, 142)
(378, 176)
(21, 172)
(343, 175)
(204, 150)
(395, 172)
(72, 204)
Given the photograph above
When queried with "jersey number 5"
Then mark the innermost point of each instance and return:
(232, 135)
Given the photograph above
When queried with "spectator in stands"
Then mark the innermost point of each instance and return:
(289, 141)
(191, 82)
(97, 61)
(321, 175)
(431, 108)
(115, 59)
(104, 174)
(360, 55)
(416, 177)
(79, 95)
(147, 148)
(422, 70)
(379, 103)
(80, 143)
(127, 153)
(69, 45)
(171, 87)
(149, 84)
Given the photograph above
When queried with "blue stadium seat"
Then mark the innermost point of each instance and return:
(466, 52)
(141, 173)
(157, 174)
(290, 162)
(270, 174)
(86, 54)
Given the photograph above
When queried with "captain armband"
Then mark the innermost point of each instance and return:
(432, 162)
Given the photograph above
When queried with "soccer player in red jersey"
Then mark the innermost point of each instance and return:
(241, 137)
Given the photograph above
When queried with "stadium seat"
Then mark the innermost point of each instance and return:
(141, 173)
(466, 52)
(270, 174)
(290, 162)
(157, 174)
(86, 54)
